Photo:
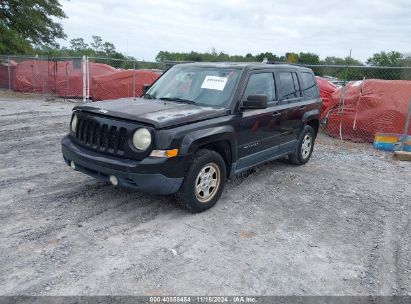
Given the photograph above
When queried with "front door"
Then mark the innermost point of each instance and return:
(259, 134)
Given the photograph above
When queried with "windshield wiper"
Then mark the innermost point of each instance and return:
(177, 99)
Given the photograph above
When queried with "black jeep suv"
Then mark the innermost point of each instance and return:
(196, 126)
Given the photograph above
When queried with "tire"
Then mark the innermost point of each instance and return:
(197, 193)
(304, 148)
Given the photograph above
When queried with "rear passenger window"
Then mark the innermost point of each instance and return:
(290, 87)
(261, 84)
(309, 85)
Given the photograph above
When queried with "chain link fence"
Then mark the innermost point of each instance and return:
(48, 76)
(359, 102)
(366, 104)
(343, 73)
(84, 78)
(117, 78)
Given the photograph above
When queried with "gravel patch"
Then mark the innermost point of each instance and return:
(339, 225)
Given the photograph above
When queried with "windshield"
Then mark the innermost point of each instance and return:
(198, 85)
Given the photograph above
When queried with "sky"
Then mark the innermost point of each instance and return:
(142, 28)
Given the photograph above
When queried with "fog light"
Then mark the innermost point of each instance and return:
(73, 165)
(113, 180)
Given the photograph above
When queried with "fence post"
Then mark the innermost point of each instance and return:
(9, 72)
(83, 65)
(88, 79)
(48, 75)
(32, 78)
(67, 79)
(407, 123)
(134, 80)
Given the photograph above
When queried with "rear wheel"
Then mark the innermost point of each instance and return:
(304, 148)
(203, 183)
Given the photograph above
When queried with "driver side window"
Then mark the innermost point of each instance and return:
(260, 84)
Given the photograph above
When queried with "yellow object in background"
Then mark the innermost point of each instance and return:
(389, 141)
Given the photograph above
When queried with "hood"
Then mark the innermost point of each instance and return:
(159, 113)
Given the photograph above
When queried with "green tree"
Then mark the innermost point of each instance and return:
(214, 52)
(78, 44)
(406, 60)
(79, 47)
(332, 60)
(97, 43)
(109, 48)
(192, 56)
(308, 58)
(249, 57)
(270, 57)
(162, 56)
(352, 61)
(392, 59)
(29, 23)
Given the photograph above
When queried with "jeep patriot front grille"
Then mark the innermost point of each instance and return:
(101, 137)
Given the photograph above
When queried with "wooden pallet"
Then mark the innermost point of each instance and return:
(402, 155)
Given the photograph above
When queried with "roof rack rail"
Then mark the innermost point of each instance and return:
(284, 62)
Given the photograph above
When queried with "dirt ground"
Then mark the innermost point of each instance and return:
(339, 225)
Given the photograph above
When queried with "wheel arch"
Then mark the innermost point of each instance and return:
(315, 124)
(312, 118)
(219, 139)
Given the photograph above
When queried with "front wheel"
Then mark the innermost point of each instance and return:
(304, 148)
(204, 182)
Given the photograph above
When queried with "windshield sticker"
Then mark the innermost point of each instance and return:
(214, 83)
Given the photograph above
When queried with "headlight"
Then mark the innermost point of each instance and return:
(74, 123)
(142, 139)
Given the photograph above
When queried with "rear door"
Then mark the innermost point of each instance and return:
(291, 100)
(259, 135)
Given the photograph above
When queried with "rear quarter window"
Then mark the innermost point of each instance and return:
(309, 85)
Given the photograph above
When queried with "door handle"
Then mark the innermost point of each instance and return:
(276, 114)
(302, 108)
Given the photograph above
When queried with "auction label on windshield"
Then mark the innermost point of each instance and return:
(214, 83)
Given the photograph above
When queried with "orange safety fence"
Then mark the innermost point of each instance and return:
(128, 83)
(363, 108)
(63, 78)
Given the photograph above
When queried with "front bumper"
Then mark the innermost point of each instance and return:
(151, 175)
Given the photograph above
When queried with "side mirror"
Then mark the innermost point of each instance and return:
(255, 102)
(146, 87)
